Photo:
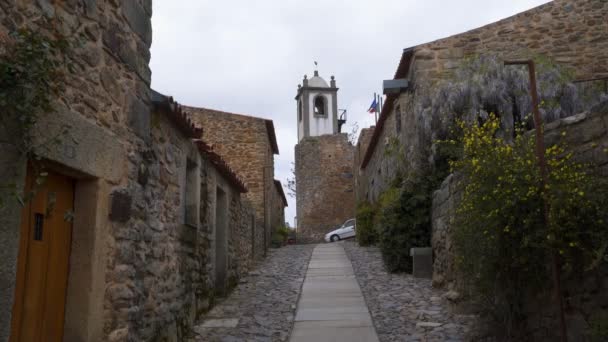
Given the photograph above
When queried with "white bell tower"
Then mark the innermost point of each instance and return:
(317, 107)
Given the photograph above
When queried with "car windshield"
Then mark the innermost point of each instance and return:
(349, 223)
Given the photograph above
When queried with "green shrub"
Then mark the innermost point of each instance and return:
(366, 233)
(405, 222)
(598, 326)
(503, 244)
(279, 236)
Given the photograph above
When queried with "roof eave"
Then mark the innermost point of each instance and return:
(402, 72)
(272, 137)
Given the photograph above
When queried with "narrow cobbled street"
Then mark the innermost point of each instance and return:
(404, 308)
(293, 296)
(262, 306)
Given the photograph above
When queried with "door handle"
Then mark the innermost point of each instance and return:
(38, 226)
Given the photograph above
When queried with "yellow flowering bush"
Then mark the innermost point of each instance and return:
(503, 244)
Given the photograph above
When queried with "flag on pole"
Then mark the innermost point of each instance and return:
(373, 108)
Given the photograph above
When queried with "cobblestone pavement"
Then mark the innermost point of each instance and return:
(262, 307)
(403, 308)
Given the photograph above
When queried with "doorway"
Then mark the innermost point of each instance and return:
(221, 239)
(43, 262)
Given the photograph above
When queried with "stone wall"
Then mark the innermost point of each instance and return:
(247, 144)
(360, 176)
(324, 185)
(279, 202)
(162, 264)
(241, 236)
(572, 33)
(142, 264)
(105, 102)
(150, 249)
(587, 137)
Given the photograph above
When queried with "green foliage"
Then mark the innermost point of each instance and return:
(31, 77)
(503, 244)
(405, 222)
(599, 326)
(483, 85)
(279, 236)
(366, 233)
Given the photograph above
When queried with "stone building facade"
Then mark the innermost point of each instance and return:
(324, 185)
(362, 143)
(587, 137)
(279, 203)
(248, 144)
(157, 227)
(572, 33)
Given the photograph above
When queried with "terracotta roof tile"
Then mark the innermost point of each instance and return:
(176, 114)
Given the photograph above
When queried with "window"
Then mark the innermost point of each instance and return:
(398, 118)
(349, 223)
(320, 104)
(299, 110)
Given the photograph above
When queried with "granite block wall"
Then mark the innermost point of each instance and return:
(324, 185)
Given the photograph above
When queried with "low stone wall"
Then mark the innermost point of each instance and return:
(587, 136)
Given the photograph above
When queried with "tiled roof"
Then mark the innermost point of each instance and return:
(176, 115)
(279, 186)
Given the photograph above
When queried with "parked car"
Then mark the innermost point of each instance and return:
(347, 230)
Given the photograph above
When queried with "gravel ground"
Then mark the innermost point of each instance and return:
(403, 308)
(262, 307)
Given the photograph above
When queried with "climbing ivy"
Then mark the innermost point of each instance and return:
(33, 69)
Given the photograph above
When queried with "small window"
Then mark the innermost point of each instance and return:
(398, 118)
(320, 105)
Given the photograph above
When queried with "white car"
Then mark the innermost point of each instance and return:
(346, 231)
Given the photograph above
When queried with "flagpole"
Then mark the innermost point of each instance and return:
(376, 109)
(381, 100)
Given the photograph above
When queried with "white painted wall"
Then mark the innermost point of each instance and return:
(300, 122)
(300, 130)
(320, 125)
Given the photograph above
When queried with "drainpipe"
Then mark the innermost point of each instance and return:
(542, 164)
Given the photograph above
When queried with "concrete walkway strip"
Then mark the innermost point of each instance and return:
(331, 307)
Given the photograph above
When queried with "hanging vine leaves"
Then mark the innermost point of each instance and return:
(33, 70)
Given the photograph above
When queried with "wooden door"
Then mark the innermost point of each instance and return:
(44, 250)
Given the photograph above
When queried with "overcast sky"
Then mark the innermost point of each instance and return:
(248, 56)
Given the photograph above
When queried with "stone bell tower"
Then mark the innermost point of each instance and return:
(324, 161)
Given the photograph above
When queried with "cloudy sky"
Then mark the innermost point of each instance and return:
(248, 56)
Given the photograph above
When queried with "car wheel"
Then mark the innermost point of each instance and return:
(334, 238)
